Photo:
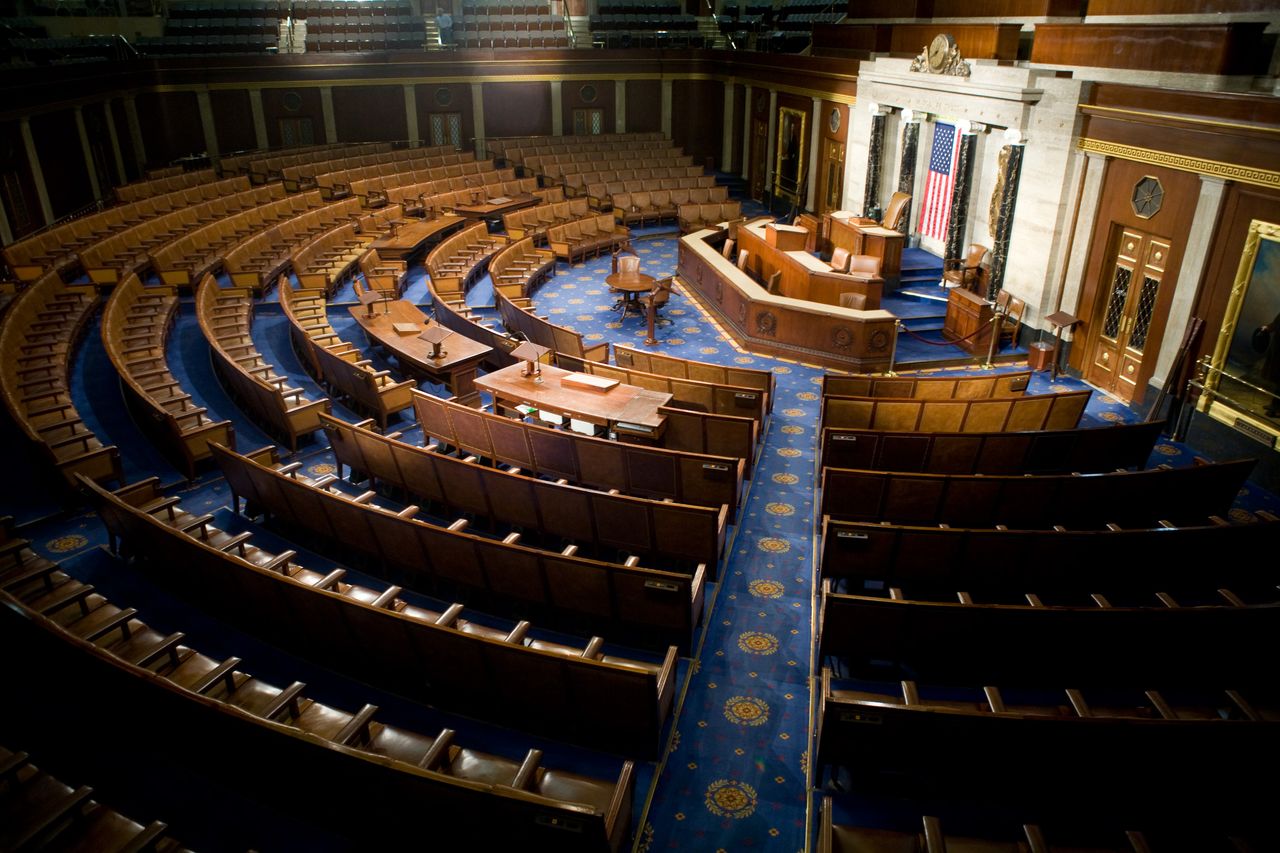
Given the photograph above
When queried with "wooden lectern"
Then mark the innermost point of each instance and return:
(967, 313)
(1059, 320)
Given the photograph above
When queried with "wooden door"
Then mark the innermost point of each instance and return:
(831, 180)
(1122, 349)
(759, 153)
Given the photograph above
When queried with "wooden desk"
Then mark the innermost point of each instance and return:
(803, 275)
(966, 312)
(630, 285)
(496, 207)
(620, 405)
(883, 243)
(412, 238)
(459, 355)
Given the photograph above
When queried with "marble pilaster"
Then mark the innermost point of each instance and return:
(1012, 159)
(907, 164)
(875, 156)
(959, 216)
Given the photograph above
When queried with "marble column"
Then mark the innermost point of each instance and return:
(814, 165)
(1086, 214)
(557, 108)
(122, 176)
(326, 108)
(875, 157)
(747, 119)
(1195, 260)
(88, 155)
(907, 162)
(37, 173)
(210, 130)
(726, 129)
(666, 106)
(135, 133)
(477, 118)
(960, 192)
(1011, 158)
(411, 115)
(619, 106)
(259, 119)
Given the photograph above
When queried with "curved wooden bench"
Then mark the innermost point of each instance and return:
(336, 364)
(709, 433)
(1160, 557)
(599, 463)
(970, 640)
(261, 259)
(518, 268)
(682, 534)
(928, 387)
(1080, 501)
(38, 336)
(534, 221)
(587, 237)
(325, 261)
(135, 329)
(996, 414)
(1091, 748)
(1057, 451)
(701, 371)
(452, 312)
(522, 321)
(693, 216)
(225, 315)
(615, 703)
(459, 259)
(118, 677)
(646, 606)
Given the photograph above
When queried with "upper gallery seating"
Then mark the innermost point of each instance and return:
(135, 329)
(88, 655)
(495, 23)
(39, 335)
(644, 23)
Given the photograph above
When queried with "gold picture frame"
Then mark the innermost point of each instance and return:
(1242, 377)
(789, 148)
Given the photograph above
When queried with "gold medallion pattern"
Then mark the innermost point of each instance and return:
(731, 798)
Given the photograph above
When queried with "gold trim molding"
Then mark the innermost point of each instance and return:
(1173, 117)
(1227, 171)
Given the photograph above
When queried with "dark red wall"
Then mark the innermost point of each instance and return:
(458, 101)
(121, 119)
(517, 109)
(170, 125)
(233, 119)
(369, 113)
(62, 160)
(644, 106)
(274, 108)
(697, 118)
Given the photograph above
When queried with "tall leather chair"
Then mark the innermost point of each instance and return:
(965, 272)
(896, 211)
(840, 259)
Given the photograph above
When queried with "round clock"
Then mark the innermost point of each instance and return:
(833, 119)
(939, 48)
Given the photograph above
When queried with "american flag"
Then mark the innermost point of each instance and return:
(936, 208)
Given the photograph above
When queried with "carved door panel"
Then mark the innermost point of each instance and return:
(759, 151)
(831, 182)
(1122, 343)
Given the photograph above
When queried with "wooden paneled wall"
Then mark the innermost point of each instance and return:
(1188, 49)
(644, 106)
(517, 109)
(697, 118)
(975, 41)
(369, 113)
(571, 98)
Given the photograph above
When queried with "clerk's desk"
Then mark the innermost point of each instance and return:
(846, 232)
(773, 247)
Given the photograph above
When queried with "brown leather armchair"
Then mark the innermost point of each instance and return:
(965, 272)
(864, 266)
(840, 259)
(896, 211)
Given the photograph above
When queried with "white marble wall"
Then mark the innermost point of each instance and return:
(1040, 106)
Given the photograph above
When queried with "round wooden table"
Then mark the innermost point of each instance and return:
(630, 285)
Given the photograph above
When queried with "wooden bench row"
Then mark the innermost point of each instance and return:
(337, 182)
(598, 463)
(39, 334)
(459, 259)
(587, 237)
(927, 387)
(678, 536)
(643, 207)
(57, 247)
(324, 261)
(534, 221)
(455, 176)
(135, 330)
(260, 260)
(109, 260)
(263, 169)
(521, 321)
(519, 267)
(566, 154)
(1146, 750)
(506, 675)
(702, 371)
(336, 364)
(1057, 451)
(699, 189)
(998, 414)
(304, 176)
(165, 184)
(225, 316)
(651, 608)
(434, 204)
(451, 311)
(654, 166)
(101, 672)
(1073, 501)
(969, 639)
(693, 217)
(1160, 556)
(518, 147)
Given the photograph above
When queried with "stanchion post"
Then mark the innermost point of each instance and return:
(997, 318)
